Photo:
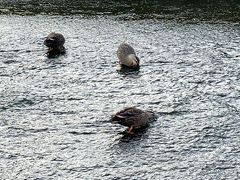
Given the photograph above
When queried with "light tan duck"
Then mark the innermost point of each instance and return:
(54, 42)
(133, 118)
(127, 57)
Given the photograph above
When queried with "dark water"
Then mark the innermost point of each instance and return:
(54, 113)
(180, 10)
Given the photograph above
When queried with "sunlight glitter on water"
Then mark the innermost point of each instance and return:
(55, 112)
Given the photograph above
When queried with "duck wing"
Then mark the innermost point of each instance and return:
(124, 50)
(129, 112)
(128, 116)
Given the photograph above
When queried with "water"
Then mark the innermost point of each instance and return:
(54, 113)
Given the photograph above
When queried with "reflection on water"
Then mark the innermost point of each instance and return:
(135, 9)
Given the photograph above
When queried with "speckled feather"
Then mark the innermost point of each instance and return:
(133, 117)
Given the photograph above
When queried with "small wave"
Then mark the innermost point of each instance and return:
(19, 103)
(38, 130)
(9, 61)
(81, 133)
(62, 112)
(23, 102)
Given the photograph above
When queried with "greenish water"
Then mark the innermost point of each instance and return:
(165, 9)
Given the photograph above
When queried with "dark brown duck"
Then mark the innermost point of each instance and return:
(133, 118)
(54, 42)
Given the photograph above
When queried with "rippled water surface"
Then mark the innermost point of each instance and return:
(54, 113)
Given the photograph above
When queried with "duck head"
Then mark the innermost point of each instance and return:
(50, 42)
(151, 115)
(132, 61)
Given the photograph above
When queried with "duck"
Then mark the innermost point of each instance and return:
(133, 118)
(127, 57)
(54, 42)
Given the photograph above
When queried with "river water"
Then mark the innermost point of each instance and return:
(54, 113)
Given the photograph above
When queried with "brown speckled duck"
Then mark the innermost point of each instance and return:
(54, 42)
(127, 57)
(133, 118)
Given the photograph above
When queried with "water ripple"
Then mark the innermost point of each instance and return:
(54, 113)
